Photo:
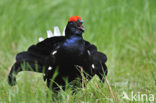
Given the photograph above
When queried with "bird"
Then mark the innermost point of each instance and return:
(61, 53)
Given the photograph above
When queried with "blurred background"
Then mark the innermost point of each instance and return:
(125, 30)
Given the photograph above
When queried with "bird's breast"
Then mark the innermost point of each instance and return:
(73, 46)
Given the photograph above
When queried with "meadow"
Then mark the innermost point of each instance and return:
(125, 30)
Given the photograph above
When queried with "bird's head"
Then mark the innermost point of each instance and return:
(74, 26)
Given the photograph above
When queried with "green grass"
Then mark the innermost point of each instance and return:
(123, 29)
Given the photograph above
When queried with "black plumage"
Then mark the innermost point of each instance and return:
(61, 54)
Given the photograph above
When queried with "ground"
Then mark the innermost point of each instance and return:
(125, 30)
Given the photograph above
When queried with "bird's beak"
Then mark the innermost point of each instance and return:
(82, 28)
(80, 22)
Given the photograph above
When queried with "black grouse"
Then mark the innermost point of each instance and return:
(62, 54)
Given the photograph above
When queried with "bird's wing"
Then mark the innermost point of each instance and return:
(91, 47)
(36, 56)
(46, 46)
(102, 58)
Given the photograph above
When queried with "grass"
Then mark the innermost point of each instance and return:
(123, 29)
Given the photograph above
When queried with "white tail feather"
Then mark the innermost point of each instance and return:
(56, 31)
(49, 33)
(63, 34)
(40, 39)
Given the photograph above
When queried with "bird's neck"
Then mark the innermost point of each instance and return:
(73, 40)
(75, 36)
(72, 32)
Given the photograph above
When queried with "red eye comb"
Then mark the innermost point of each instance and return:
(74, 18)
